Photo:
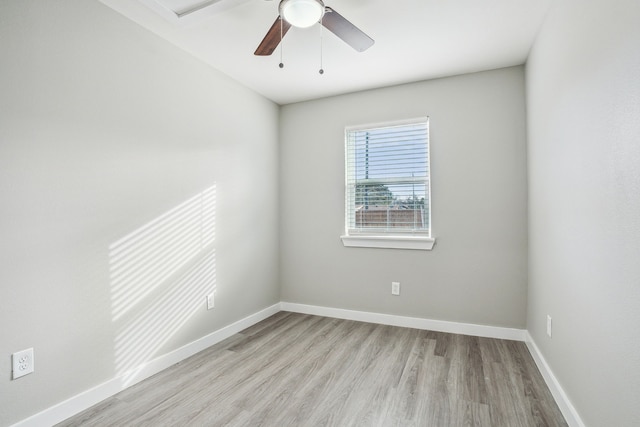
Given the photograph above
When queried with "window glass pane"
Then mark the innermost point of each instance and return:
(388, 178)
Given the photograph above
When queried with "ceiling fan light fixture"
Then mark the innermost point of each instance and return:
(301, 13)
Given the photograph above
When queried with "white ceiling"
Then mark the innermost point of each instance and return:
(414, 40)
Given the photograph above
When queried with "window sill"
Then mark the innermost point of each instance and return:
(389, 242)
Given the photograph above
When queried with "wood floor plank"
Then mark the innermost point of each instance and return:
(302, 370)
(411, 389)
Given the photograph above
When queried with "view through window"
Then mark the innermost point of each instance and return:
(387, 178)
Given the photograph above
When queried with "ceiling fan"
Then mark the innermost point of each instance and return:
(304, 14)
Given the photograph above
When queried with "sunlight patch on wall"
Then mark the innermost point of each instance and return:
(144, 259)
(160, 276)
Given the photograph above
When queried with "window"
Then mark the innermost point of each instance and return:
(387, 192)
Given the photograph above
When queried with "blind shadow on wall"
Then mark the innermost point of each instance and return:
(159, 274)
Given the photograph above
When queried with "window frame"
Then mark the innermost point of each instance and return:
(420, 240)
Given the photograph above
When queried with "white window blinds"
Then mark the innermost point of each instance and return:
(387, 178)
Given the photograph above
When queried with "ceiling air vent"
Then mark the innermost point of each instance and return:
(188, 11)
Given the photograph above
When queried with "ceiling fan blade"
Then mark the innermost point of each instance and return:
(273, 37)
(344, 29)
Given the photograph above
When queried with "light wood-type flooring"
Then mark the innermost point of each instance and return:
(301, 370)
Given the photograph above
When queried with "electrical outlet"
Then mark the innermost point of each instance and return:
(549, 325)
(22, 363)
(211, 301)
(395, 288)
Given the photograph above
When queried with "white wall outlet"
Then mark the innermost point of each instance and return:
(22, 362)
(211, 301)
(395, 288)
(549, 325)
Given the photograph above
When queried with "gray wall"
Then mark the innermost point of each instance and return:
(583, 92)
(478, 270)
(103, 129)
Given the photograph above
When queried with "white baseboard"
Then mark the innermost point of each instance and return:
(410, 322)
(85, 400)
(568, 410)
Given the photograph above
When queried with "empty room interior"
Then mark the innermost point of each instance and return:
(191, 201)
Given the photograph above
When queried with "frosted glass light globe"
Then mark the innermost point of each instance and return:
(301, 13)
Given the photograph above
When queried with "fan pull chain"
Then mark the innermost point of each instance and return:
(321, 33)
(281, 65)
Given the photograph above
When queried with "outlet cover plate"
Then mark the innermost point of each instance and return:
(395, 288)
(22, 363)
